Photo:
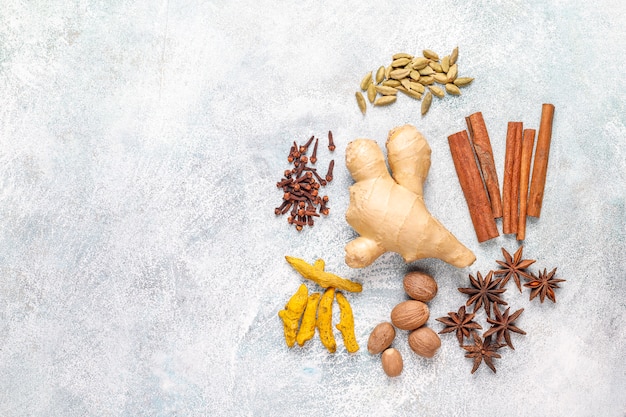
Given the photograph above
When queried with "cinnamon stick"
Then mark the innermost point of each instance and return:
(527, 152)
(472, 186)
(510, 188)
(540, 166)
(482, 147)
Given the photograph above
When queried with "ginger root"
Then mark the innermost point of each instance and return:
(292, 313)
(389, 212)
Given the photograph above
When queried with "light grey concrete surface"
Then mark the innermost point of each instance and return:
(141, 264)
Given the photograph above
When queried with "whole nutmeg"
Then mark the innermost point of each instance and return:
(420, 286)
(381, 338)
(424, 341)
(392, 362)
(409, 315)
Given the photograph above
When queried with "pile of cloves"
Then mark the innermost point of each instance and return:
(301, 185)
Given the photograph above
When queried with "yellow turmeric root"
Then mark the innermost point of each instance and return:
(346, 324)
(307, 327)
(319, 264)
(389, 212)
(317, 274)
(292, 313)
(325, 320)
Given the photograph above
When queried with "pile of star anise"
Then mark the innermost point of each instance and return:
(487, 293)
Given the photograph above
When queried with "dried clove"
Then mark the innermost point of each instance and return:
(286, 203)
(300, 186)
(329, 174)
(317, 176)
(304, 148)
(314, 155)
(284, 182)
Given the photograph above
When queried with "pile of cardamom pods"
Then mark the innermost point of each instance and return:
(414, 76)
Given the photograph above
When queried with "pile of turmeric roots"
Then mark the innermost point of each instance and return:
(304, 313)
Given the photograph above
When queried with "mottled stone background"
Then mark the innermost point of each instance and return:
(141, 264)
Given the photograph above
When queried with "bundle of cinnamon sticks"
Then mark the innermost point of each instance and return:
(475, 166)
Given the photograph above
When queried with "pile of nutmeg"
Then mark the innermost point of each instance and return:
(410, 315)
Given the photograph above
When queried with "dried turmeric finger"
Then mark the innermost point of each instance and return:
(346, 324)
(325, 319)
(318, 275)
(307, 327)
(292, 313)
(319, 264)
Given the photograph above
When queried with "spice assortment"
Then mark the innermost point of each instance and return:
(475, 167)
(487, 293)
(301, 185)
(414, 76)
(388, 213)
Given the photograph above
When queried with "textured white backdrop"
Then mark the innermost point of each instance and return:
(141, 264)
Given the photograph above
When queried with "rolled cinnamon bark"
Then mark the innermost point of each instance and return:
(482, 147)
(527, 152)
(540, 166)
(510, 188)
(472, 186)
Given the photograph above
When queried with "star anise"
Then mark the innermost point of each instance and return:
(482, 350)
(484, 292)
(544, 285)
(460, 322)
(502, 325)
(514, 266)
